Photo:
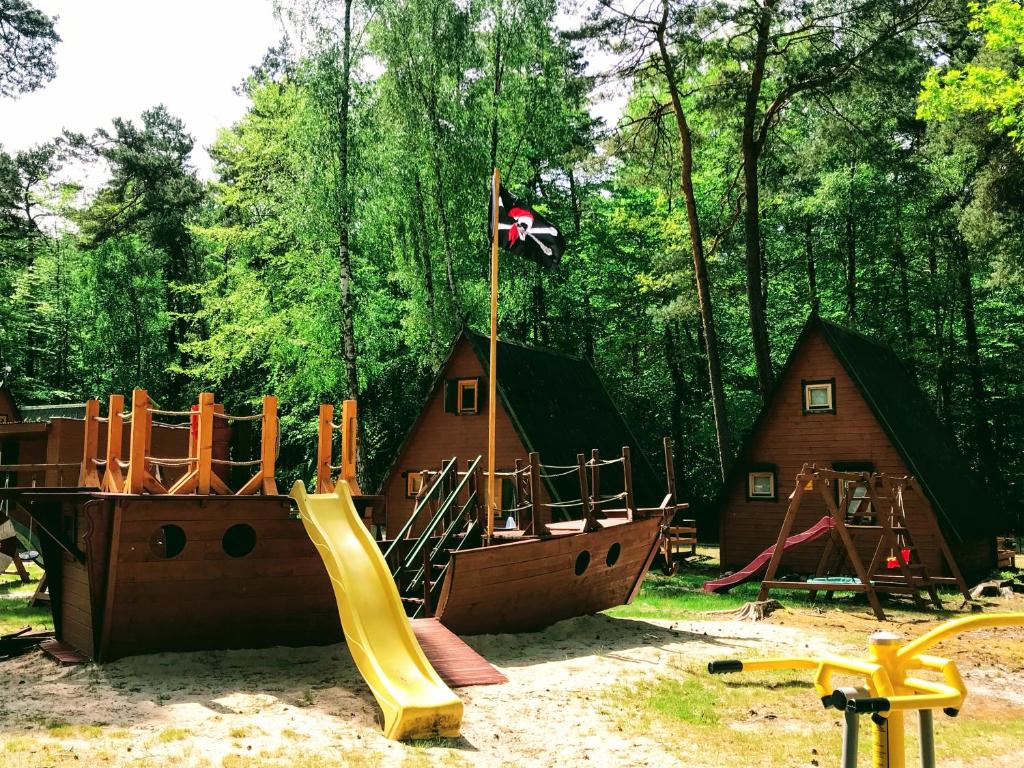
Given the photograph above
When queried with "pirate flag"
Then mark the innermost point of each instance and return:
(525, 232)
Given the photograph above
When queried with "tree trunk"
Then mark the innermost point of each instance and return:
(673, 359)
(421, 247)
(851, 272)
(751, 148)
(943, 386)
(588, 315)
(348, 339)
(979, 400)
(906, 324)
(812, 279)
(700, 266)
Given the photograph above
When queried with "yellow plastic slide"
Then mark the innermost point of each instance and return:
(415, 702)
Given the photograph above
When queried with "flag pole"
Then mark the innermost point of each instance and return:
(492, 376)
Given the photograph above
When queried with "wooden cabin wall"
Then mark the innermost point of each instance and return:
(437, 436)
(202, 598)
(788, 438)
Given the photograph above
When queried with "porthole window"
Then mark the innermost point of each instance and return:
(582, 562)
(167, 541)
(239, 540)
(613, 554)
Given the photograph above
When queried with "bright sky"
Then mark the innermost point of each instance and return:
(121, 57)
(118, 58)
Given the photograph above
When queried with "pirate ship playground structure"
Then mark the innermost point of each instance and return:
(199, 551)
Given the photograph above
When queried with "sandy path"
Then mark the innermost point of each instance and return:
(220, 708)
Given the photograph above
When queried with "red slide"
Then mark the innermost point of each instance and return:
(726, 583)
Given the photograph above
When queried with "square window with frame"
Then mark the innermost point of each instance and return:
(819, 396)
(761, 485)
(413, 484)
(468, 399)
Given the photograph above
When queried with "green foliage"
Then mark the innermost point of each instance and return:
(27, 40)
(909, 215)
(991, 84)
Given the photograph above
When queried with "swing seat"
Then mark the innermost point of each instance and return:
(834, 580)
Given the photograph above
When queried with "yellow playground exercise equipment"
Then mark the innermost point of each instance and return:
(415, 702)
(891, 686)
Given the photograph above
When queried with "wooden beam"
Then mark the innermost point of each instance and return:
(136, 479)
(204, 466)
(113, 478)
(89, 476)
(627, 475)
(268, 445)
(349, 443)
(324, 448)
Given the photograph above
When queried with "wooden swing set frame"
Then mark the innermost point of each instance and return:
(883, 501)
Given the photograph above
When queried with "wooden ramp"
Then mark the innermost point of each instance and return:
(456, 663)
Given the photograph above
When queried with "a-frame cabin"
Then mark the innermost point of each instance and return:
(548, 402)
(847, 402)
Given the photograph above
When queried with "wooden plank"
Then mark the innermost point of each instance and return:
(454, 661)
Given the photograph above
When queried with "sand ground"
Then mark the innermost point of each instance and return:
(309, 707)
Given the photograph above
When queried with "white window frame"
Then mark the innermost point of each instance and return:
(413, 484)
(753, 476)
(827, 386)
(461, 385)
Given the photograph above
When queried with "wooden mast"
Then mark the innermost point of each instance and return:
(492, 376)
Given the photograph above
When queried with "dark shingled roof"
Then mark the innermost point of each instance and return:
(560, 408)
(56, 411)
(926, 445)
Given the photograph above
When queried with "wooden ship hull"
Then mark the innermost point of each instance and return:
(525, 586)
(246, 575)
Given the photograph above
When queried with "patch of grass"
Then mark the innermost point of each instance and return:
(14, 611)
(243, 732)
(173, 734)
(681, 597)
(290, 759)
(60, 730)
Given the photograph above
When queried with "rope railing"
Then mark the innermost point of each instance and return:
(171, 461)
(232, 463)
(166, 425)
(562, 504)
(232, 417)
(161, 412)
(553, 475)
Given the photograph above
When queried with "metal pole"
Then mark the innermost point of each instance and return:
(927, 738)
(850, 734)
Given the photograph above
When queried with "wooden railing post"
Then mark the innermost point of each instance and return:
(627, 474)
(89, 476)
(113, 477)
(268, 445)
(670, 472)
(136, 479)
(204, 444)
(536, 509)
(589, 522)
(595, 479)
(324, 448)
(349, 434)
(427, 611)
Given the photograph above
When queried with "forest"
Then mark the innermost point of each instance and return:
(862, 159)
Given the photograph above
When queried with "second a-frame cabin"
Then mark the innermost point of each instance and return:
(548, 402)
(847, 403)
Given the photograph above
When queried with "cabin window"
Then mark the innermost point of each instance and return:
(819, 396)
(761, 484)
(413, 484)
(855, 492)
(463, 396)
(468, 401)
